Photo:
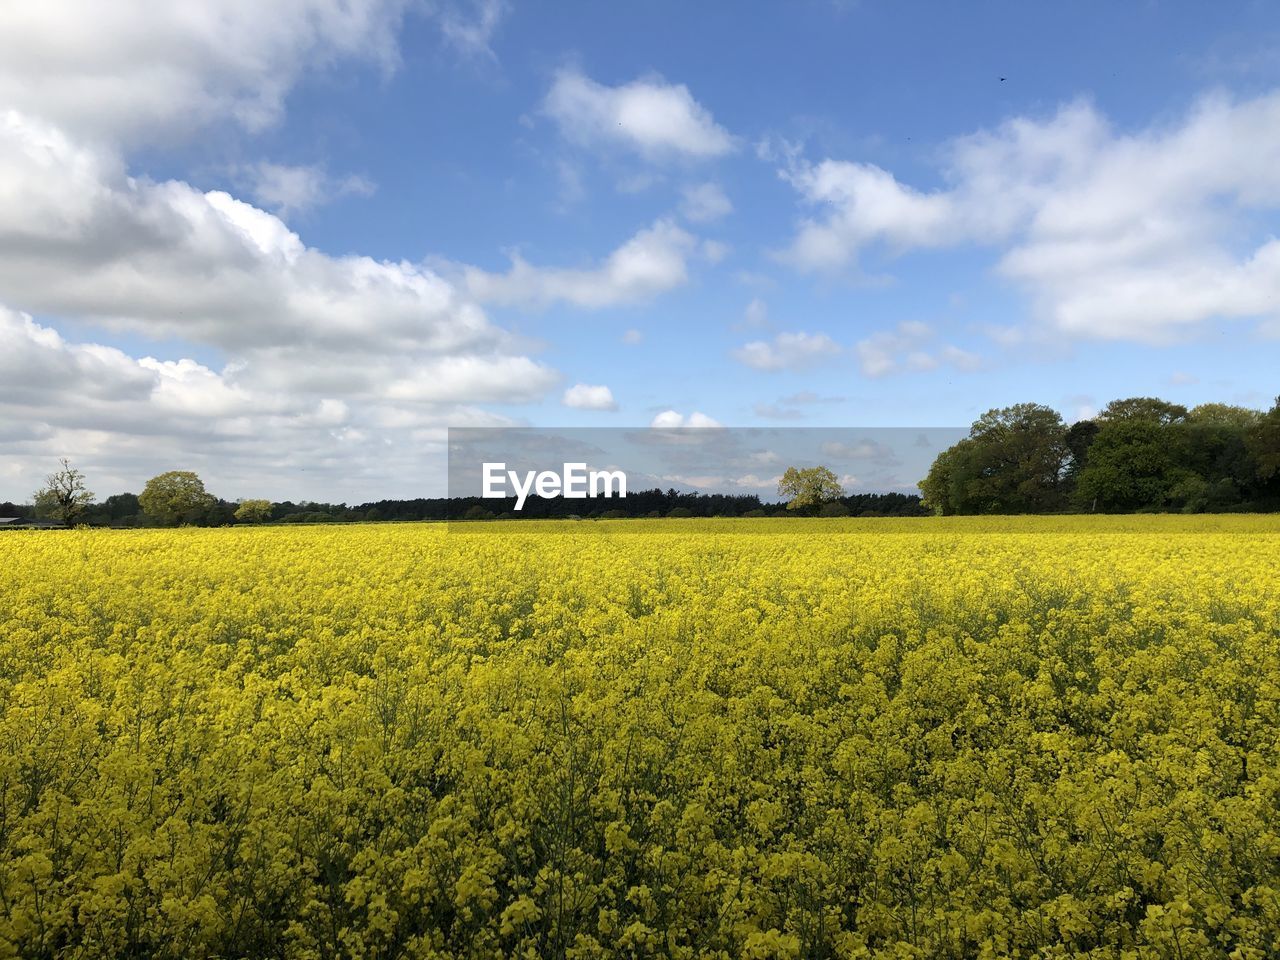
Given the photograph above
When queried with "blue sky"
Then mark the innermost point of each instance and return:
(289, 248)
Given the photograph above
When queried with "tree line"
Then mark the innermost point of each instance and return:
(1140, 454)
(179, 498)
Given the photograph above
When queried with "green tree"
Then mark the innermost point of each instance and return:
(809, 487)
(1134, 462)
(1012, 462)
(1218, 452)
(941, 490)
(1263, 440)
(122, 506)
(64, 496)
(1224, 414)
(1143, 408)
(1079, 438)
(1023, 453)
(175, 497)
(253, 511)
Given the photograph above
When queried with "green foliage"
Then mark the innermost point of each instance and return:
(1139, 454)
(809, 487)
(1011, 462)
(64, 496)
(176, 497)
(1224, 414)
(1150, 409)
(253, 511)
(1263, 441)
(1132, 463)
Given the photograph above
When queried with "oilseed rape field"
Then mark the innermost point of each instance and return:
(1020, 737)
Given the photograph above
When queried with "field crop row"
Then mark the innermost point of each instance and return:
(932, 738)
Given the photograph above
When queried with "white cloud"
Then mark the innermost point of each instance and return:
(649, 116)
(286, 188)
(335, 365)
(473, 379)
(756, 315)
(705, 202)
(863, 205)
(652, 262)
(123, 419)
(632, 337)
(334, 376)
(859, 450)
(787, 351)
(961, 358)
(585, 396)
(776, 411)
(134, 69)
(672, 420)
(809, 397)
(714, 251)
(789, 407)
(880, 353)
(81, 238)
(904, 349)
(472, 31)
(1115, 236)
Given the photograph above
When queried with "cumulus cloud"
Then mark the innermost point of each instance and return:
(337, 371)
(123, 419)
(649, 116)
(909, 347)
(673, 420)
(791, 407)
(139, 70)
(653, 261)
(862, 449)
(80, 237)
(1131, 236)
(585, 396)
(331, 377)
(289, 188)
(705, 202)
(473, 379)
(787, 351)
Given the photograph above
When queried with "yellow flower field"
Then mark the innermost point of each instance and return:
(848, 738)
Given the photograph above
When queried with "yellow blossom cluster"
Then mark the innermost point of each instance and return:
(1036, 737)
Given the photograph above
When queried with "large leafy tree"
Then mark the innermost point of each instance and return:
(64, 496)
(1217, 451)
(1133, 462)
(1144, 408)
(1263, 439)
(941, 489)
(806, 488)
(1138, 453)
(176, 497)
(1150, 453)
(1011, 462)
(1079, 438)
(253, 511)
